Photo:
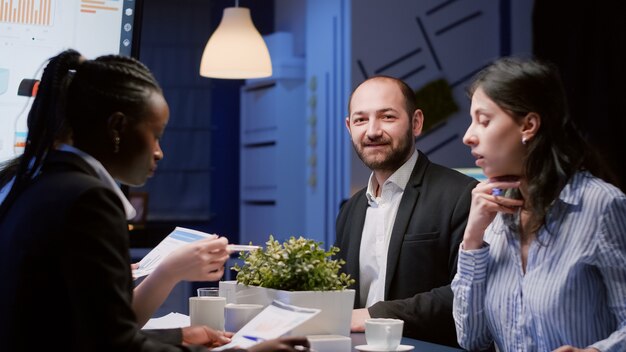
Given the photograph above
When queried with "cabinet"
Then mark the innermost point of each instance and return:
(272, 152)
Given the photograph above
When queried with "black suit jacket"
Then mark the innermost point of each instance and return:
(421, 260)
(65, 267)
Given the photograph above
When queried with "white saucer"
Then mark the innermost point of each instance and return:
(368, 348)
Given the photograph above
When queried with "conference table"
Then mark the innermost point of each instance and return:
(420, 346)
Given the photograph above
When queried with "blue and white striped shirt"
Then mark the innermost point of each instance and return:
(574, 288)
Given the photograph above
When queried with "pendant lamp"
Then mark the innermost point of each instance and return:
(236, 50)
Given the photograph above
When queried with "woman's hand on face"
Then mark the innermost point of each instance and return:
(203, 335)
(282, 344)
(485, 205)
(201, 260)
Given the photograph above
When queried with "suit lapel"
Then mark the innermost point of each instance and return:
(403, 216)
(356, 232)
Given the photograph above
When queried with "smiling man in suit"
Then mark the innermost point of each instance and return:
(400, 235)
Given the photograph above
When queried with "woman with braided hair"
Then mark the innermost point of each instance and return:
(63, 225)
(192, 262)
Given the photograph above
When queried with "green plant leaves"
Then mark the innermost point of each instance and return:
(299, 264)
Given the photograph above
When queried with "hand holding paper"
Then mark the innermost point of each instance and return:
(185, 252)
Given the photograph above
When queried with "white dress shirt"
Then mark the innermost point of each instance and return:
(379, 220)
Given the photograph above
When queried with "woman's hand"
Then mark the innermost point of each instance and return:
(282, 344)
(203, 335)
(201, 260)
(485, 206)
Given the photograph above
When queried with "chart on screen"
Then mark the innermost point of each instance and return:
(31, 31)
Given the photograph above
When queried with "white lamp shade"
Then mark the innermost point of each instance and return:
(236, 50)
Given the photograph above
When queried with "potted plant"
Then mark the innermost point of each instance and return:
(298, 272)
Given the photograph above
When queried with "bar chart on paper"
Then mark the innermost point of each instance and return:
(31, 12)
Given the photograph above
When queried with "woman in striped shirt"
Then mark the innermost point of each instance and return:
(542, 266)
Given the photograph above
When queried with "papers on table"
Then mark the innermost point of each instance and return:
(170, 321)
(179, 237)
(275, 320)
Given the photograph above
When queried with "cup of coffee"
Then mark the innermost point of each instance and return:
(238, 315)
(383, 333)
(207, 310)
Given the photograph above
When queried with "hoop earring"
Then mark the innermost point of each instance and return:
(116, 144)
(524, 140)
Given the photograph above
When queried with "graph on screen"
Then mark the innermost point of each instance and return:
(32, 31)
(30, 12)
(95, 7)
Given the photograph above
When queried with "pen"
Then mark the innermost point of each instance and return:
(242, 247)
(254, 338)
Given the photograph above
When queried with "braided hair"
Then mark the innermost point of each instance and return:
(104, 86)
(45, 118)
(78, 96)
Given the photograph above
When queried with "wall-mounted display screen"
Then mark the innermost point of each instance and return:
(32, 31)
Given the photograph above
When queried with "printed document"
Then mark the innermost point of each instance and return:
(274, 321)
(177, 238)
(170, 321)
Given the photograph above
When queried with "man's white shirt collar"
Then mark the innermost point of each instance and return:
(400, 177)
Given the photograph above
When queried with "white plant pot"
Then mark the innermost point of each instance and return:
(336, 306)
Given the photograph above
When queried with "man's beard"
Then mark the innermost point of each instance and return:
(393, 159)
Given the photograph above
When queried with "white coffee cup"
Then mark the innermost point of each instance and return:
(238, 315)
(383, 333)
(207, 310)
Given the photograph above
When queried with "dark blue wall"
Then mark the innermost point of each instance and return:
(197, 184)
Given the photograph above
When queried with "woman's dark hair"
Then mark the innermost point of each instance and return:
(80, 95)
(104, 86)
(557, 150)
